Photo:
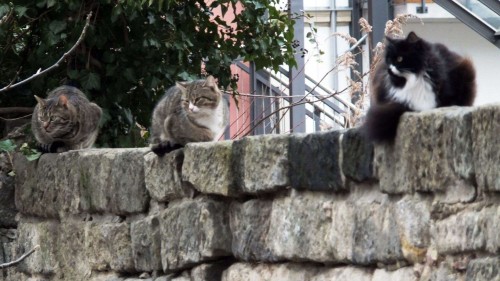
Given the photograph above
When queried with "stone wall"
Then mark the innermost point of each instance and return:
(317, 207)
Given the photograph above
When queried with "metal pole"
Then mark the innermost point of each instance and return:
(297, 75)
(378, 13)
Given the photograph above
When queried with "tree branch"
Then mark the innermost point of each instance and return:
(56, 65)
(16, 110)
(20, 259)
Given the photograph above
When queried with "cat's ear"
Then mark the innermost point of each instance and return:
(181, 85)
(63, 101)
(412, 37)
(210, 82)
(40, 101)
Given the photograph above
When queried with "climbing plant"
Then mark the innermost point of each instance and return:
(133, 50)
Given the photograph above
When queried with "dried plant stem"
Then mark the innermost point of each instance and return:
(302, 101)
(56, 65)
(20, 259)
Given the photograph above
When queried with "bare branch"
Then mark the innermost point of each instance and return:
(17, 118)
(304, 100)
(14, 110)
(56, 65)
(20, 259)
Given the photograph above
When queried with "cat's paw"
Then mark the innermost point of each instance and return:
(165, 147)
(54, 147)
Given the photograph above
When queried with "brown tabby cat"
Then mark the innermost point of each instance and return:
(66, 120)
(188, 112)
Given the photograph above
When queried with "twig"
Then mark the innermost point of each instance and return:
(18, 118)
(54, 66)
(336, 67)
(19, 110)
(272, 97)
(302, 101)
(15, 76)
(20, 259)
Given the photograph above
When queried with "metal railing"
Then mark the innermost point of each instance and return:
(272, 106)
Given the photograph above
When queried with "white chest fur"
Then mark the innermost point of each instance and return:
(214, 120)
(417, 93)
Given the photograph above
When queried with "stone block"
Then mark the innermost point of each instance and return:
(443, 272)
(318, 227)
(193, 232)
(71, 252)
(181, 278)
(208, 167)
(249, 226)
(38, 185)
(82, 181)
(432, 153)
(45, 235)
(413, 220)
(8, 209)
(300, 227)
(110, 276)
(357, 156)
(261, 163)
(321, 172)
(346, 273)
(108, 246)
(7, 242)
(492, 217)
(376, 236)
(485, 269)
(462, 232)
(146, 244)
(209, 272)
(110, 180)
(163, 176)
(486, 155)
(342, 229)
(293, 272)
(402, 274)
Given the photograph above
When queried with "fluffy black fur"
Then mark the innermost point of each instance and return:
(165, 147)
(452, 78)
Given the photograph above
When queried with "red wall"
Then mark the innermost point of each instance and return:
(239, 115)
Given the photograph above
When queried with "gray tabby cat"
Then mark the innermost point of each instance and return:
(66, 120)
(188, 112)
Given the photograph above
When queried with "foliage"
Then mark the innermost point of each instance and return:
(7, 146)
(134, 50)
(30, 153)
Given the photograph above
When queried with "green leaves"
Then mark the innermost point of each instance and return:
(116, 12)
(20, 11)
(30, 153)
(7, 146)
(92, 81)
(57, 26)
(134, 50)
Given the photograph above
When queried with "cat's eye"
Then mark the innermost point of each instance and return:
(399, 59)
(201, 99)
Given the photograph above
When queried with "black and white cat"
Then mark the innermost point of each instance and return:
(416, 75)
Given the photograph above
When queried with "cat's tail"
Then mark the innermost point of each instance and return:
(381, 121)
